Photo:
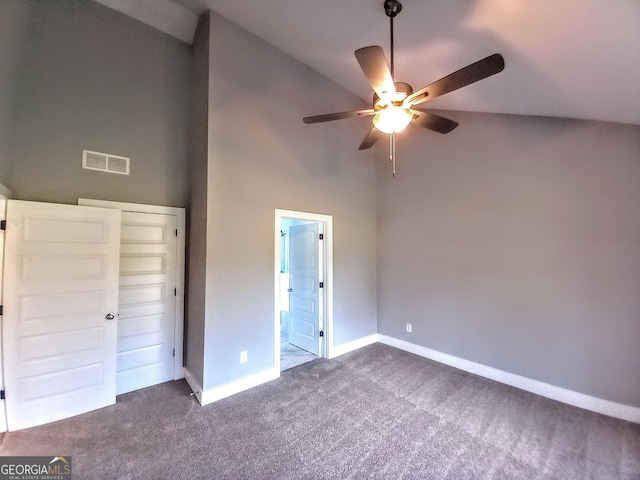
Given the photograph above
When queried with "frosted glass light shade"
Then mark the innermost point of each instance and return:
(392, 119)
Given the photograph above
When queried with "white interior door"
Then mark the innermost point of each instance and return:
(60, 310)
(147, 300)
(3, 211)
(304, 281)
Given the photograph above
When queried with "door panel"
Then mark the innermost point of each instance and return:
(147, 300)
(60, 280)
(3, 212)
(304, 274)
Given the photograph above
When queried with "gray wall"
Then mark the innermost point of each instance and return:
(77, 75)
(13, 32)
(263, 157)
(514, 242)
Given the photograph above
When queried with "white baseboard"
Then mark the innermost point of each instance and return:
(218, 393)
(594, 404)
(353, 345)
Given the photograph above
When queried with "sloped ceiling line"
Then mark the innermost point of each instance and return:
(564, 59)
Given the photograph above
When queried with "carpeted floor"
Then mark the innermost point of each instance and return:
(374, 413)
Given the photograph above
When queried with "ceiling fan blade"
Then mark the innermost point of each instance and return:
(461, 78)
(433, 122)
(375, 68)
(371, 138)
(337, 116)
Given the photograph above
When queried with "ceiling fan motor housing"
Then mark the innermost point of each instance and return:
(392, 8)
(403, 90)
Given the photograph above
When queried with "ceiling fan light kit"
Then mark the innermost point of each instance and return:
(392, 119)
(393, 102)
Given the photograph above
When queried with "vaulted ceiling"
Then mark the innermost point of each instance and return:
(564, 58)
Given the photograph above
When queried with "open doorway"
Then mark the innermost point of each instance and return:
(303, 294)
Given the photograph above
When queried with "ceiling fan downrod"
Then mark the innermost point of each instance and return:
(392, 8)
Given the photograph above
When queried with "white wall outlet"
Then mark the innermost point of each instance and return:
(409, 328)
(243, 356)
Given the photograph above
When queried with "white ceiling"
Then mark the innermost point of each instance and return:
(564, 58)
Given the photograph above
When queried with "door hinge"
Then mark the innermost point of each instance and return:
(321, 284)
(2, 396)
(174, 352)
(321, 333)
(321, 236)
(3, 224)
(1, 309)
(176, 232)
(175, 292)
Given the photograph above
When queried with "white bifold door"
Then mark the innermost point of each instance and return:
(60, 310)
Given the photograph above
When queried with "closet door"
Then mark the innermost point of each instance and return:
(60, 311)
(147, 300)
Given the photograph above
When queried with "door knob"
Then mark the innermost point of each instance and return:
(289, 290)
(110, 316)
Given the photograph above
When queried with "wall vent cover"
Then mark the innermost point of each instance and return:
(105, 162)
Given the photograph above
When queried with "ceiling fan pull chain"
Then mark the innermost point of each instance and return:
(392, 152)
(391, 148)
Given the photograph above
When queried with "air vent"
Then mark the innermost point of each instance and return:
(105, 162)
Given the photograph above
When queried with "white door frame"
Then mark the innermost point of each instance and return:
(5, 194)
(180, 213)
(327, 223)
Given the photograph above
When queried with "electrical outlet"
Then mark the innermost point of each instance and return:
(243, 356)
(409, 328)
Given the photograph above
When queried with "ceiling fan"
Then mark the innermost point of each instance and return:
(394, 102)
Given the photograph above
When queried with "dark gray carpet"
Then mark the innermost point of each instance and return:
(375, 413)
